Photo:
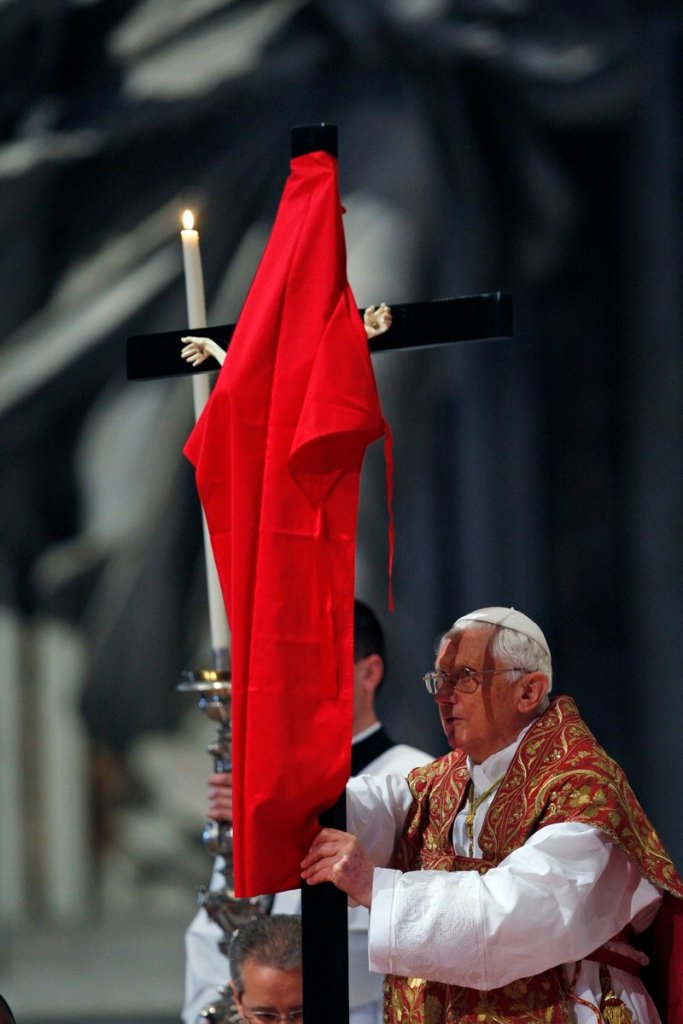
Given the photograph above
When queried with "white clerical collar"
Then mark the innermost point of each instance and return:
(370, 731)
(484, 775)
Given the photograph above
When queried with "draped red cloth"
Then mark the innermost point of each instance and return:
(663, 977)
(278, 453)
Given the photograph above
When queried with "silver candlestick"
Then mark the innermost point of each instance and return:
(228, 911)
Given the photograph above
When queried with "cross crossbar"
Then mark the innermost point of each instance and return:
(486, 317)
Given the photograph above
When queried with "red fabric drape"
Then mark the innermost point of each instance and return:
(278, 451)
(663, 943)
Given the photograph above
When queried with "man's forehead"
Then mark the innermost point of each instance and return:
(466, 645)
(265, 981)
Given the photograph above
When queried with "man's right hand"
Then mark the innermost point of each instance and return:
(220, 796)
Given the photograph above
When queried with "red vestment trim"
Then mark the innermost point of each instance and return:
(612, 959)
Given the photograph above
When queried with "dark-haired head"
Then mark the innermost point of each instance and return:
(368, 637)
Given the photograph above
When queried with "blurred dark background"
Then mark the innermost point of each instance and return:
(529, 147)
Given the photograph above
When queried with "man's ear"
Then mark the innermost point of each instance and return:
(534, 689)
(236, 997)
(371, 671)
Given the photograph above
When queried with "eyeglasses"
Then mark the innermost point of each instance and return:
(464, 680)
(269, 1017)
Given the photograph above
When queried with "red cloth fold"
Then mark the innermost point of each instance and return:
(278, 452)
(663, 943)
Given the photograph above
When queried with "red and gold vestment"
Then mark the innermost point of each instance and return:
(559, 774)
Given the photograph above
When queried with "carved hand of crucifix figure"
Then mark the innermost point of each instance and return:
(197, 350)
(376, 319)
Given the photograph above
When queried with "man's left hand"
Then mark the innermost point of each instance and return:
(339, 858)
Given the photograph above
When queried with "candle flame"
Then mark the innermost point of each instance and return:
(188, 220)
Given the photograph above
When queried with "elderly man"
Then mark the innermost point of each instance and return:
(522, 863)
(265, 968)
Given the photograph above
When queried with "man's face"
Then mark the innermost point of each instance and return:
(483, 722)
(269, 990)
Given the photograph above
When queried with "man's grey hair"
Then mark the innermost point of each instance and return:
(511, 647)
(273, 941)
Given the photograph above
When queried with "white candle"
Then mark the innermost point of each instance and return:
(194, 279)
(196, 317)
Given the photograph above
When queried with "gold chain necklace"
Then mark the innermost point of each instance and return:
(475, 804)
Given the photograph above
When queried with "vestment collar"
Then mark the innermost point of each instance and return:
(495, 766)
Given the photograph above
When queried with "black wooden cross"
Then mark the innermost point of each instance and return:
(414, 325)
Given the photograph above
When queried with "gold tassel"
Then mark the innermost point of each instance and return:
(613, 1010)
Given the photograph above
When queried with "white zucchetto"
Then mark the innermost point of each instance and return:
(510, 618)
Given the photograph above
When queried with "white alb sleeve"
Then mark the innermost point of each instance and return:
(375, 812)
(563, 894)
